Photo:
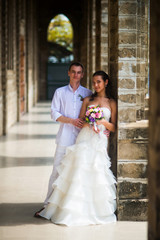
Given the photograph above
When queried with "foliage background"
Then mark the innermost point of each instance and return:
(60, 31)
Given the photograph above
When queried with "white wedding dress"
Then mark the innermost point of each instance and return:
(85, 191)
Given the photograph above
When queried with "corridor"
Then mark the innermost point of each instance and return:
(26, 156)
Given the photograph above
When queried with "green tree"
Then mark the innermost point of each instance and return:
(60, 31)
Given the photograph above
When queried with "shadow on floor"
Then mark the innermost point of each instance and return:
(28, 122)
(6, 162)
(13, 137)
(13, 214)
(43, 106)
(39, 113)
(46, 104)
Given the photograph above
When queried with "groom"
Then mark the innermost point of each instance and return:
(65, 109)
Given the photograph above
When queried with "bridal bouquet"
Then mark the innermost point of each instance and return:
(93, 113)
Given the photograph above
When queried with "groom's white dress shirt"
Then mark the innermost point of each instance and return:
(67, 102)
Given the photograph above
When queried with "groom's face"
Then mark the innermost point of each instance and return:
(75, 74)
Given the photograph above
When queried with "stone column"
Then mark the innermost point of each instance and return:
(101, 47)
(1, 93)
(30, 84)
(132, 134)
(8, 67)
(93, 37)
(76, 49)
(11, 93)
(154, 129)
(3, 65)
(113, 70)
(83, 43)
(113, 44)
(35, 54)
(17, 20)
(98, 34)
(20, 26)
(142, 59)
(104, 35)
(43, 58)
(36, 46)
(91, 40)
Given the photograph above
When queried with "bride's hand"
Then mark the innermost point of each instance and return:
(96, 130)
(99, 122)
(102, 121)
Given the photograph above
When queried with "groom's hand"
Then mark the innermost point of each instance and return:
(106, 132)
(78, 122)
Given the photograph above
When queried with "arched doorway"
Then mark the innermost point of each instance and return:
(60, 54)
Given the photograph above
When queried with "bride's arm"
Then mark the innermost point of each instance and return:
(84, 107)
(83, 110)
(111, 126)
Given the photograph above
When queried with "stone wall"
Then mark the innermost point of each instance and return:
(132, 128)
(132, 171)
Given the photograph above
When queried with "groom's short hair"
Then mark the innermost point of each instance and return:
(78, 64)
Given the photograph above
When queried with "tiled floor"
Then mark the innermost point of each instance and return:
(26, 156)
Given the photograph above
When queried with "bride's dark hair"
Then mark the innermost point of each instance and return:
(108, 88)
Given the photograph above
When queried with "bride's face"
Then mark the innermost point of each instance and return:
(99, 84)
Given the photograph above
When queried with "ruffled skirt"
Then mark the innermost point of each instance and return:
(85, 191)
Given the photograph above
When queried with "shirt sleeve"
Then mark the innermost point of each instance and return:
(55, 106)
(88, 93)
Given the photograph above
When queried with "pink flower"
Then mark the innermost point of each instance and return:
(97, 115)
(87, 113)
(93, 115)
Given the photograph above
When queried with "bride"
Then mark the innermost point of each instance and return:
(85, 191)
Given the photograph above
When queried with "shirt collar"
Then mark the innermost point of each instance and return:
(71, 89)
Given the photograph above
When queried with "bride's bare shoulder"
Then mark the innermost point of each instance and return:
(113, 106)
(86, 100)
